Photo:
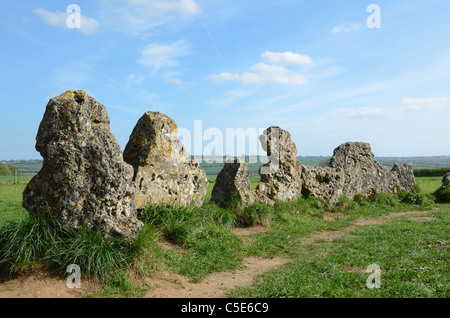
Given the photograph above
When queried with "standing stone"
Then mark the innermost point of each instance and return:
(446, 180)
(366, 177)
(281, 176)
(163, 171)
(84, 180)
(232, 182)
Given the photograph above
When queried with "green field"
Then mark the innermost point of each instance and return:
(11, 203)
(11, 195)
(27, 168)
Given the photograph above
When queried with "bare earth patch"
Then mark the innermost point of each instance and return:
(41, 285)
(168, 285)
(329, 236)
(423, 219)
(361, 270)
(319, 237)
(245, 232)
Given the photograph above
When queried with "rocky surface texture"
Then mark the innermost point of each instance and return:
(84, 180)
(233, 182)
(405, 176)
(281, 177)
(366, 177)
(324, 183)
(163, 171)
(446, 180)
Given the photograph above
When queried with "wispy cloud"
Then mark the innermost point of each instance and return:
(59, 19)
(219, 54)
(142, 17)
(286, 58)
(410, 106)
(431, 104)
(177, 81)
(160, 8)
(159, 56)
(133, 80)
(346, 28)
(230, 97)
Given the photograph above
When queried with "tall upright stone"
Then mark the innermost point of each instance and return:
(233, 182)
(84, 180)
(163, 171)
(281, 177)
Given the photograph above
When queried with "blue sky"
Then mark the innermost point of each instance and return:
(314, 68)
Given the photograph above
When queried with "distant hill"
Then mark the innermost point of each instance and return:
(31, 167)
(213, 169)
(25, 167)
(7, 170)
(417, 162)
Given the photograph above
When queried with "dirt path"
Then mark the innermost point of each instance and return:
(329, 236)
(169, 285)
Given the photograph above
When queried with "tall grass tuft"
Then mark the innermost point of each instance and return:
(48, 243)
(253, 214)
(442, 195)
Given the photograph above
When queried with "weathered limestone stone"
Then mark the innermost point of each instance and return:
(84, 180)
(163, 171)
(446, 180)
(366, 177)
(233, 182)
(324, 183)
(405, 176)
(281, 177)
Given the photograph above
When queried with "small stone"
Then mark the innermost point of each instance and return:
(233, 182)
(446, 180)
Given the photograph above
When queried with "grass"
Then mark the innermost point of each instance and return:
(428, 184)
(11, 179)
(413, 258)
(196, 242)
(11, 203)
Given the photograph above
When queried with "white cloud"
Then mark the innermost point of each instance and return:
(432, 104)
(411, 106)
(159, 8)
(178, 81)
(264, 74)
(286, 58)
(159, 56)
(59, 19)
(346, 28)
